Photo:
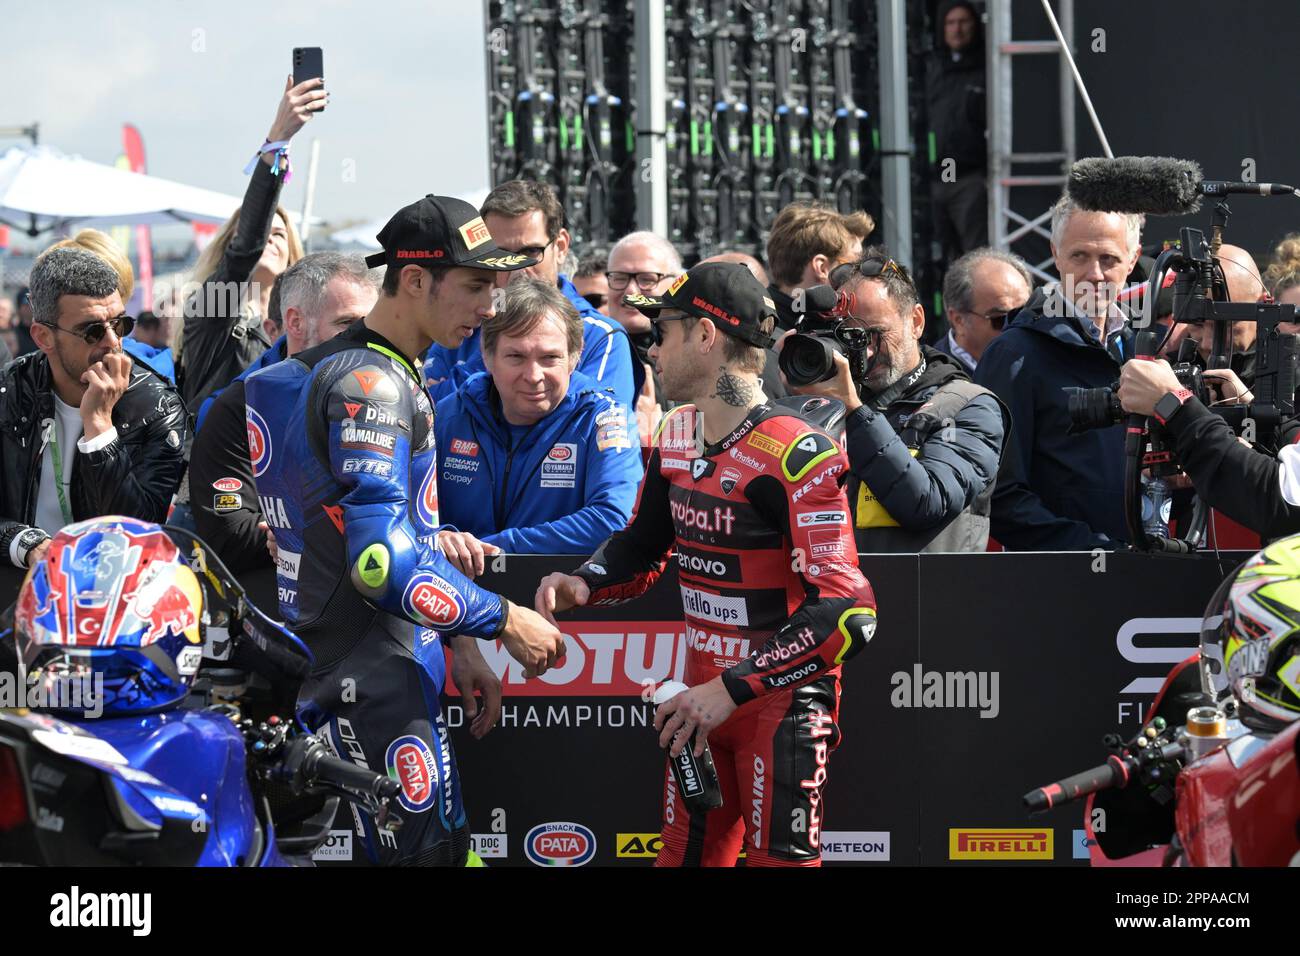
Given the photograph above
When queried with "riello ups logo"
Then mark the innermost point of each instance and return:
(983, 843)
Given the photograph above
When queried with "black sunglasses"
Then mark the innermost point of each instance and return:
(869, 268)
(996, 319)
(597, 299)
(657, 332)
(93, 333)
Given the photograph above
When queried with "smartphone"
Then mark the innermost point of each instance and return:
(308, 63)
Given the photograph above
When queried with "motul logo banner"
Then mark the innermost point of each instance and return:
(599, 661)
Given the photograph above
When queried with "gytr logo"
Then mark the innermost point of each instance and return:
(74, 908)
(947, 689)
(560, 844)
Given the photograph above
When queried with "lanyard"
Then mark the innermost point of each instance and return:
(58, 471)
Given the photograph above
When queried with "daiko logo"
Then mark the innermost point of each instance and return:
(983, 843)
(560, 844)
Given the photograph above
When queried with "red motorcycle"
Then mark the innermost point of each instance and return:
(1213, 778)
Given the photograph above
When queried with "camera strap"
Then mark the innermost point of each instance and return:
(882, 400)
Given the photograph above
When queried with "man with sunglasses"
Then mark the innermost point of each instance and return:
(83, 432)
(980, 290)
(747, 497)
(924, 442)
(525, 217)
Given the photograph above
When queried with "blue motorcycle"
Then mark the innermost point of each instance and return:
(153, 731)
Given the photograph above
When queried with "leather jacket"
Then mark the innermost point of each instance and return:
(135, 475)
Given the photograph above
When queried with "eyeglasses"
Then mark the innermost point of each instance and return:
(532, 252)
(93, 332)
(644, 280)
(869, 268)
(597, 299)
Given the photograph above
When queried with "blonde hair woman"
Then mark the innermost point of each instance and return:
(223, 321)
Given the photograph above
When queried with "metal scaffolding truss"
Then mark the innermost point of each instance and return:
(1011, 217)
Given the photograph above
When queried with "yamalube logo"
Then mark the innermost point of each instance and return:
(75, 908)
(560, 844)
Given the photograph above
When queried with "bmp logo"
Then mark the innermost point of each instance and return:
(73, 909)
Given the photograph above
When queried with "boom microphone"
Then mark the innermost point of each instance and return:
(1153, 185)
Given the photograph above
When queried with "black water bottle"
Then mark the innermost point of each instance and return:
(696, 777)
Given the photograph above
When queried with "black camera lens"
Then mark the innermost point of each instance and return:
(1093, 408)
(806, 359)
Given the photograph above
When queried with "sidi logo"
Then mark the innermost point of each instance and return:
(76, 909)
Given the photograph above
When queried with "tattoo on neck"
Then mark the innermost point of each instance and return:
(733, 390)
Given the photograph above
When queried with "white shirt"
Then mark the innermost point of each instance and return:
(67, 427)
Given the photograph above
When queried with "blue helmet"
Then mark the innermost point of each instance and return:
(112, 610)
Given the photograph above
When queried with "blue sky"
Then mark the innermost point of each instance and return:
(202, 79)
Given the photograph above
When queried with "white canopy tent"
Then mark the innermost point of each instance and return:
(42, 188)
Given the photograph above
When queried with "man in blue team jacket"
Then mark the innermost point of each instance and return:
(533, 457)
(526, 216)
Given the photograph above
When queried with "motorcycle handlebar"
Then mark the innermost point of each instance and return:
(1115, 772)
(311, 763)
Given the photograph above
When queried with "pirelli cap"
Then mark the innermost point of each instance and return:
(725, 292)
(442, 231)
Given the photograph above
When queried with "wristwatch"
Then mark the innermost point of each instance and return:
(1170, 403)
(23, 543)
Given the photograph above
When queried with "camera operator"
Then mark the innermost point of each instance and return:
(1251, 487)
(924, 443)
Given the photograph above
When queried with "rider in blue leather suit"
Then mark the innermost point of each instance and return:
(341, 442)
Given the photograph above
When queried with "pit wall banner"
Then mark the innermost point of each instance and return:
(989, 675)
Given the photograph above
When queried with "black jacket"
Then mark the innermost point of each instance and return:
(220, 341)
(1062, 492)
(1241, 482)
(135, 475)
(954, 96)
(924, 467)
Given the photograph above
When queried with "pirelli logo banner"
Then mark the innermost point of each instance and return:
(986, 843)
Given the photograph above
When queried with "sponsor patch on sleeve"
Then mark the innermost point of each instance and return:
(224, 503)
(805, 453)
(765, 443)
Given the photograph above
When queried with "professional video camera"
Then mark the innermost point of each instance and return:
(1163, 186)
(808, 356)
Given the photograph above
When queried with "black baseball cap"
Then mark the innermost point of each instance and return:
(725, 292)
(442, 231)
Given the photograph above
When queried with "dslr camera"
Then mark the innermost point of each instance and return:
(808, 356)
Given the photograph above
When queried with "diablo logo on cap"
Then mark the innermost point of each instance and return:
(259, 443)
(560, 844)
(411, 763)
(433, 601)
